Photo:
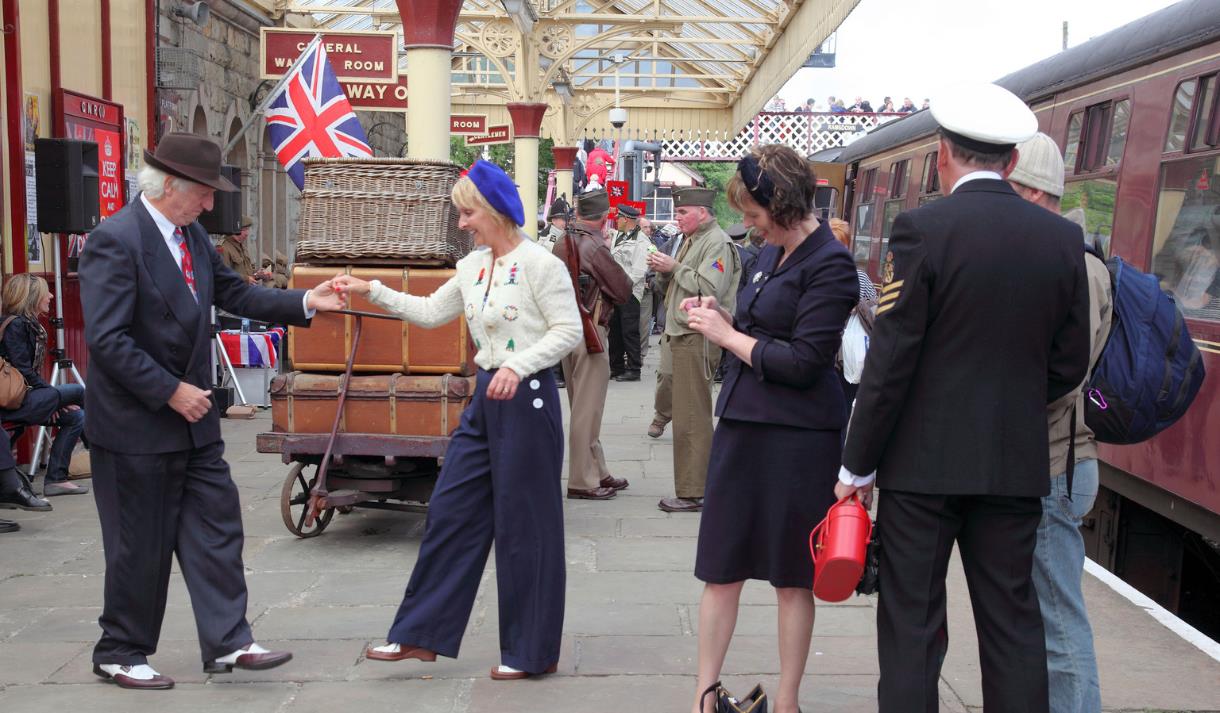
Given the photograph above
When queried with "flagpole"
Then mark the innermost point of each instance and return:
(270, 96)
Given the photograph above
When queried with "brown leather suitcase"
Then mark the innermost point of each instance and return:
(388, 404)
(385, 345)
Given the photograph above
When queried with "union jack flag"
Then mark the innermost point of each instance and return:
(312, 117)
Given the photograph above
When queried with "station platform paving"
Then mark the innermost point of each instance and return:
(630, 625)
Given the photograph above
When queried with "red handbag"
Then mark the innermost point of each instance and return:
(837, 546)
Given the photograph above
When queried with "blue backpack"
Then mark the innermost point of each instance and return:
(1150, 369)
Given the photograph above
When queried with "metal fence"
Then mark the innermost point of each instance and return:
(804, 131)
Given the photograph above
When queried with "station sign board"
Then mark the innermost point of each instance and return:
(87, 118)
(377, 96)
(355, 56)
(499, 134)
(469, 124)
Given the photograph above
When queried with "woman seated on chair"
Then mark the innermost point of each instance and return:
(24, 345)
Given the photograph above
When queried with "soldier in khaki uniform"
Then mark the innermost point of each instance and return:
(602, 285)
(233, 252)
(280, 273)
(706, 265)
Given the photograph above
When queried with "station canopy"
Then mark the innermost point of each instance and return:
(683, 69)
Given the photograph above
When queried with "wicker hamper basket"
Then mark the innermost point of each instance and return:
(380, 209)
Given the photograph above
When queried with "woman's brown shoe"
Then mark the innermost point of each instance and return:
(402, 654)
(498, 675)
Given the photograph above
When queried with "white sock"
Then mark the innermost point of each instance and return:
(508, 669)
(388, 648)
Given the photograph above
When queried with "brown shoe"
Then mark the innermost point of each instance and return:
(498, 675)
(614, 483)
(598, 493)
(404, 652)
(656, 429)
(259, 661)
(156, 683)
(681, 504)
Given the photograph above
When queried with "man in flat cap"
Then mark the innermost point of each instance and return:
(149, 277)
(557, 216)
(600, 285)
(706, 265)
(234, 255)
(630, 250)
(1059, 556)
(982, 321)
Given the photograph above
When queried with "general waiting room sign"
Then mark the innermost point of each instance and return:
(364, 56)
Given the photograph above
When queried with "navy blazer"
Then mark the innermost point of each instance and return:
(797, 313)
(146, 333)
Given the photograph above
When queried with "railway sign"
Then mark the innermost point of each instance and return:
(356, 56)
(500, 134)
(470, 124)
(377, 96)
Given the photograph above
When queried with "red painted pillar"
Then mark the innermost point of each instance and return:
(527, 120)
(428, 35)
(13, 102)
(565, 159)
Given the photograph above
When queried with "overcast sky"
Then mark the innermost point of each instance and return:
(910, 47)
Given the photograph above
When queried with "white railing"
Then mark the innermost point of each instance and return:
(806, 132)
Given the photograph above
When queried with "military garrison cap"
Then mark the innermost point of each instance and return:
(246, 221)
(737, 231)
(693, 197)
(592, 204)
(628, 211)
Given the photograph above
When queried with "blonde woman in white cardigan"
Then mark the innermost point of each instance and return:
(500, 480)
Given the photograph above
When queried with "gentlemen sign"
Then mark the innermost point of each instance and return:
(501, 134)
(366, 56)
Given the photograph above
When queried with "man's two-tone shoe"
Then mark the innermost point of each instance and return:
(250, 658)
(140, 677)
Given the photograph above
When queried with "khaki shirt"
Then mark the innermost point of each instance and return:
(707, 264)
(1101, 314)
(630, 251)
(280, 275)
(234, 254)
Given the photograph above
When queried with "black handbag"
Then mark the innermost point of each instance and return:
(754, 702)
(870, 580)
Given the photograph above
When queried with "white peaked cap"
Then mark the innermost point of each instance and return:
(989, 117)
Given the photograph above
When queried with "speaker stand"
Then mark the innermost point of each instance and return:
(219, 355)
(63, 364)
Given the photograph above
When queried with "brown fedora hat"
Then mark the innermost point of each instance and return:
(195, 158)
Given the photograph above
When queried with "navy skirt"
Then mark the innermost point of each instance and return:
(767, 487)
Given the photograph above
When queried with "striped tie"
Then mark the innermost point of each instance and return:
(188, 267)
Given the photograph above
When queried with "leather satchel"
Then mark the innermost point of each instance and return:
(754, 702)
(12, 383)
(588, 319)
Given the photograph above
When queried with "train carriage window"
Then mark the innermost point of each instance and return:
(865, 210)
(1118, 131)
(1179, 122)
(1186, 237)
(930, 180)
(1206, 133)
(898, 178)
(1090, 204)
(1072, 144)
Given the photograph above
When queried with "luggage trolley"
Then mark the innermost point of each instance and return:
(341, 471)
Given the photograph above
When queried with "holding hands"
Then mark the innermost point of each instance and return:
(350, 284)
(326, 297)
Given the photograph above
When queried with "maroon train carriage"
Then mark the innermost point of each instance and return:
(1137, 111)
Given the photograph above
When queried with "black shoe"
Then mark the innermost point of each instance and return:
(15, 493)
(8, 526)
(616, 373)
(629, 375)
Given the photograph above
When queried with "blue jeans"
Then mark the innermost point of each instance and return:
(70, 424)
(1058, 568)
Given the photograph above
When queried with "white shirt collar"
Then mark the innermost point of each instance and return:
(975, 176)
(167, 228)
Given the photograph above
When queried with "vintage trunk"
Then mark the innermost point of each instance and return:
(390, 404)
(385, 345)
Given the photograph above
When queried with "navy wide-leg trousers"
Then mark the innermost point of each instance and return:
(499, 482)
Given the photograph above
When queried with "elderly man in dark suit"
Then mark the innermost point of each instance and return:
(982, 321)
(149, 277)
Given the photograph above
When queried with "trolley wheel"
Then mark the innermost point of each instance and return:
(294, 503)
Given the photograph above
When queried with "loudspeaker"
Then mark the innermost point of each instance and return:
(225, 216)
(67, 185)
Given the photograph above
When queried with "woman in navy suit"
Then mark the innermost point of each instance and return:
(775, 455)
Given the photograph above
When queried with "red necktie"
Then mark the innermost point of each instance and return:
(188, 267)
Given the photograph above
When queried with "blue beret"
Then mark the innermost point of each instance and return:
(498, 189)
